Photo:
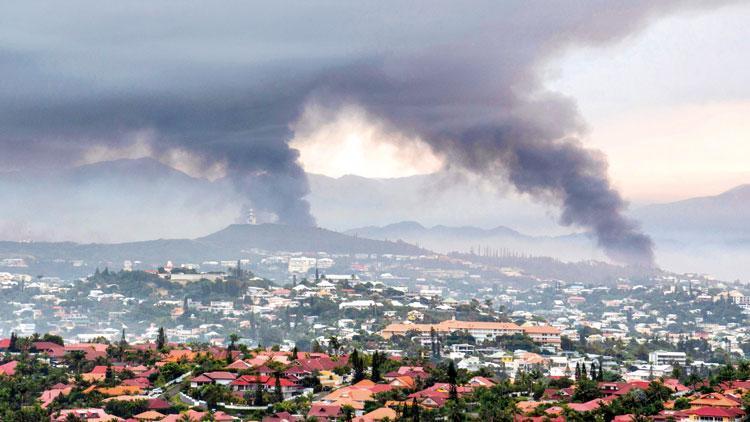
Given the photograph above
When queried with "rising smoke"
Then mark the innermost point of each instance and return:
(224, 84)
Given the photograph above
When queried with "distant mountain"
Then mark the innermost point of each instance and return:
(706, 234)
(722, 217)
(132, 199)
(128, 200)
(113, 201)
(276, 237)
(466, 238)
(229, 243)
(437, 199)
(412, 228)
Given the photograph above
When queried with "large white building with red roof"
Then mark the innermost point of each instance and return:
(480, 330)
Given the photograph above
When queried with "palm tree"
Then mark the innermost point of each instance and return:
(75, 360)
(348, 412)
(233, 339)
(334, 344)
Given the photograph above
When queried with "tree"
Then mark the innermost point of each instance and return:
(215, 393)
(376, 362)
(455, 410)
(348, 412)
(13, 345)
(495, 404)
(161, 340)
(126, 408)
(277, 387)
(693, 380)
(52, 338)
(109, 376)
(683, 403)
(258, 400)
(295, 352)
(452, 376)
(433, 343)
(358, 365)
(123, 344)
(586, 390)
(75, 359)
(233, 339)
(414, 410)
(334, 344)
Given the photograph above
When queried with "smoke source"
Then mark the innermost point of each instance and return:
(224, 84)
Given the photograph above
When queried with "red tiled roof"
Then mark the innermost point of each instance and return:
(158, 404)
(282, 381)
(9, 368)
(716, 412)
(324, 410)
(586, 407)
(220, 375)
(728, 385)
(239, 364)
(250, 379)
(52, 349)
(281, 417)
(521, 418)
(102, 369)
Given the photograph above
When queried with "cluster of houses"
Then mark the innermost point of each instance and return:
(293, 374)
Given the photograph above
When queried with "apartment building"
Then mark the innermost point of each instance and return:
(481, 331)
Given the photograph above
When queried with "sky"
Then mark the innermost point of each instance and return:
(678, 89)
(579, 105)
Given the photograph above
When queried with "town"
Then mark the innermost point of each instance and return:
(370, 338)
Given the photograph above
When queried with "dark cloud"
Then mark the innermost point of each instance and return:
(225, 82)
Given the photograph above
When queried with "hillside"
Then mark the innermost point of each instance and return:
(412, 228)
(229, 243)
(446, 239)
(276, 237)
(720, 217)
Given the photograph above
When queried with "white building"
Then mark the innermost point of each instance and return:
(325, 263)
(301, 264)
(661, 357)
(358, 304)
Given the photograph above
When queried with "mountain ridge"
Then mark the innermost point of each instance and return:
(231, 242)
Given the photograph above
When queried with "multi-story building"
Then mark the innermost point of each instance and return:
(661, 357)
(481, 331)
(543, 334)
(301, 264)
